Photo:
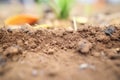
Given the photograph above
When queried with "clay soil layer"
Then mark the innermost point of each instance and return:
(90, 53)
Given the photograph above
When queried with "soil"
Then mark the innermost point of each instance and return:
(90, 53)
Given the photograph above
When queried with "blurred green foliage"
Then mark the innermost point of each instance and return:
(61, 8)
(42, 1)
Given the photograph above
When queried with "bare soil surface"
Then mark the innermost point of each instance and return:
(91, 53)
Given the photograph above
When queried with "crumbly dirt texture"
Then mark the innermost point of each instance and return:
(90, 53)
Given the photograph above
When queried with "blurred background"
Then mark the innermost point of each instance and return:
(40, 8)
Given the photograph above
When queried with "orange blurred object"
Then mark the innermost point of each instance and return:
(21, 19)
(100, 4)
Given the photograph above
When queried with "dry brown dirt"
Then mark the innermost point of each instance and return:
(91, 53)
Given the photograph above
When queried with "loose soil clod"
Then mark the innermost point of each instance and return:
(84, 46)
(13, 50)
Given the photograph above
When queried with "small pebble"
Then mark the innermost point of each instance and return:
(34, 72)
(109, 31)
(87, 66)
(84, 46)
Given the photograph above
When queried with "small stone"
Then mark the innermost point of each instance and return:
(83, 66)
(34, 72)
(84, 46)
(110, 30)
(87, 66)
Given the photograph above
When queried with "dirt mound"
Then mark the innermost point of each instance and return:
(59, 53)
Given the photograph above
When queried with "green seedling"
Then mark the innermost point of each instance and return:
(60, 7)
